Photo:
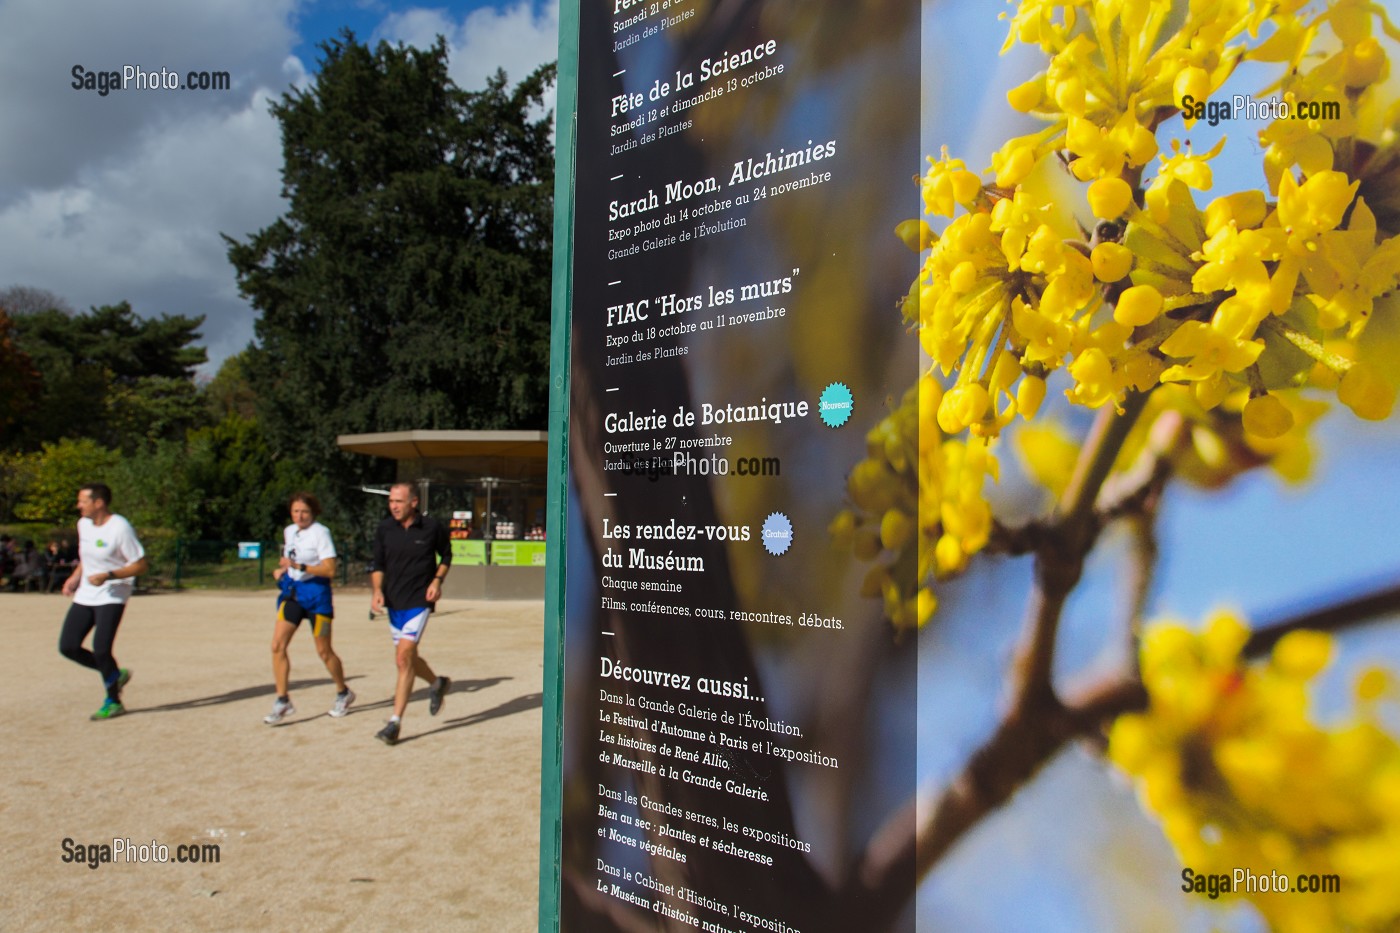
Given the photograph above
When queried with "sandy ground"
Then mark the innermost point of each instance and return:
(319, 826)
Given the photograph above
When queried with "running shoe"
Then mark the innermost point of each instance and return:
(439, 690)
(342, 703)
(110, 709)
(281, 709)
(123, 677)
(389, 735)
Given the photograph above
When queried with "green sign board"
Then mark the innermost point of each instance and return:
(469, 553)
(517, 553)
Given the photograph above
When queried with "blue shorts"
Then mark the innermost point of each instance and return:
(408, 623)
(314, 600)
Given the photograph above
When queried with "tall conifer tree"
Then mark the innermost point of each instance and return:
(407, 284)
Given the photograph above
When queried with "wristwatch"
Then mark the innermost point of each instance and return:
(301, 567)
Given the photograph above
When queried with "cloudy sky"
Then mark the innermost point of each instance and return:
(123, 196)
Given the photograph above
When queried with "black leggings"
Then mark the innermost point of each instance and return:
(80, 621)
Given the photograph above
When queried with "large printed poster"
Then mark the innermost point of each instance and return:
(738, 721)
(1118, 446)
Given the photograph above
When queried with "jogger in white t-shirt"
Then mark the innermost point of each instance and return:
(110, 557)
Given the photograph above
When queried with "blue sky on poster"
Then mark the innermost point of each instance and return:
(123, 196)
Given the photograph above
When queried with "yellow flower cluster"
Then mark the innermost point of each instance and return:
(1327, 101)
(1247, 298)
(1238, 775)
(1209, 448)
(1004, 298)
(919, 510)
(1257, 288)
(1113, 75)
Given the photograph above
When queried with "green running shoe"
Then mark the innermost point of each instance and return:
(110, 709)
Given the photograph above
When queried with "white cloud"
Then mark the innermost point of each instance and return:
(517, 39)
(123, 197)
(146, 227)
(49, 130)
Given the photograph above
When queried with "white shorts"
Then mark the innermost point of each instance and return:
(408, 623)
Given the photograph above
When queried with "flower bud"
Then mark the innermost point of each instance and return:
(1351, 23)
(963, 277)
(1026, 97)
(1109, 198)
(1367, 394)
(1265, 416)
(1029, 394)
(1190, 82)
(1014, 164)
(1366, 63)
(1112, 261)
(916, 234)
(1302, 654)
(896, 529)
(1138, 305)
(964, 405)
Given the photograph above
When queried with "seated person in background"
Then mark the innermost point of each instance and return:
(7, 558)
(29, 569)
(59, 561)
(48, 557)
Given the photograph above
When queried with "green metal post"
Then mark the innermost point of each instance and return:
(552, 742)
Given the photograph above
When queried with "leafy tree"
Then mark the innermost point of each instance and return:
(220, 481)
(153, 408)
(58, 470)
(131, 378)
(243, 487)
(18, 378)
(231, 391)
(134, 349)
(16, 475)
(156, 491)
(407, 286)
